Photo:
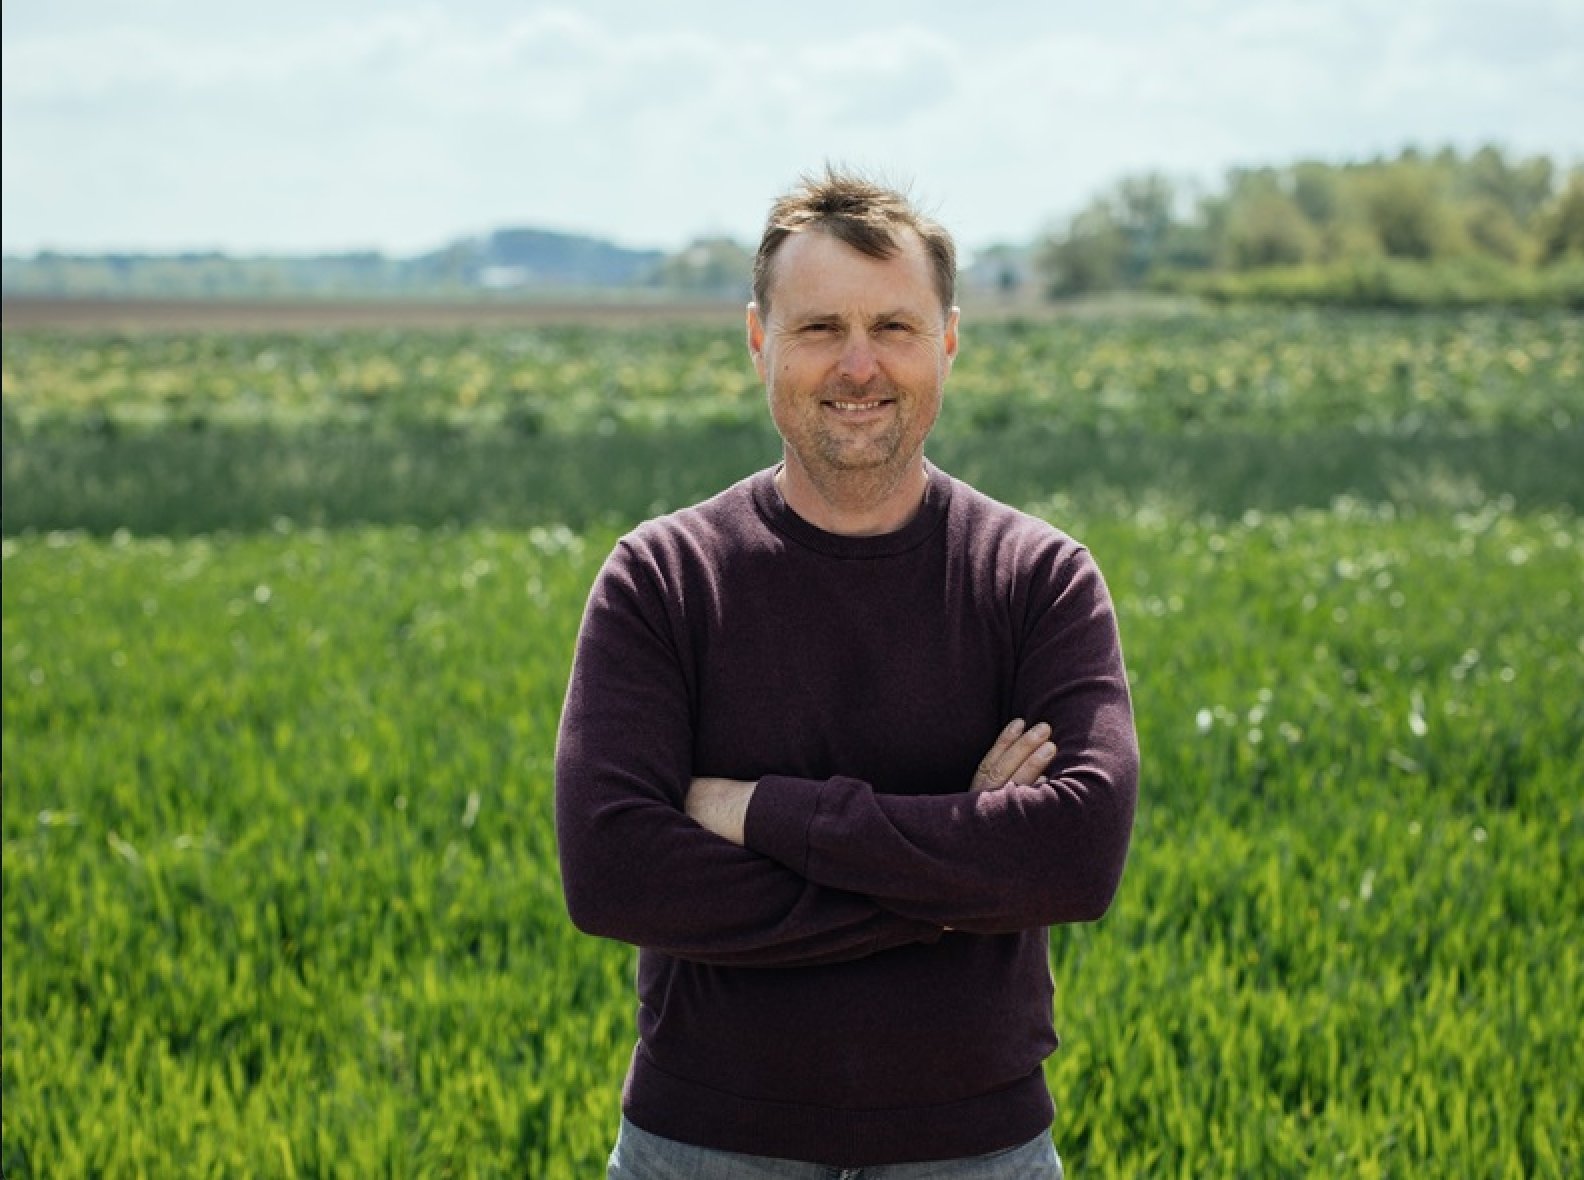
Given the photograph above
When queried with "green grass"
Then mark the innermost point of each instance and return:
(280, 896)
(279, 875)
(280, 889)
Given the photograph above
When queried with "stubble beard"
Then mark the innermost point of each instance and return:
(865, 466)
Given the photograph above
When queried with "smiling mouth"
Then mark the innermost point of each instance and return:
(858, 407)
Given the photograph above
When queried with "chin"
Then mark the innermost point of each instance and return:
(847, 461)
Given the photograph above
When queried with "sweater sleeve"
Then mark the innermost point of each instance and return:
(634, 866)
(996, 861)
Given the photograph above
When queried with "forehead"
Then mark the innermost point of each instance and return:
(815, 272)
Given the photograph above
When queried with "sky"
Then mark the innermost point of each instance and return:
(400, 125)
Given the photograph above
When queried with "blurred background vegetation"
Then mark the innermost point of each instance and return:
(1418, 230)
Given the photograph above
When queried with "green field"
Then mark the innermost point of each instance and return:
(286, 627)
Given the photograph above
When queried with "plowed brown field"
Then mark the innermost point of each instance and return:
(232, 315)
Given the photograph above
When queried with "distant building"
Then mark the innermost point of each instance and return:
(1001, 269)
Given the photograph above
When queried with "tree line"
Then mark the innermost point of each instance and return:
(1440, 228)
(1414, 230)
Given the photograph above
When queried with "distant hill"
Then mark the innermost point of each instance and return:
(507, 260)
(543, 258)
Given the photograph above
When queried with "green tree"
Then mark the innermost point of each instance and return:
(1269, 229)
(1088, 257)
(1523, 189)
(1405, 207)
(708, 266)
(1116, 242)
(1141, 208)
(1317, 191)
(1562, 222)
(1492, 229)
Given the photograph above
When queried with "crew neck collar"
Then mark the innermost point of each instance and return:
(779, 516)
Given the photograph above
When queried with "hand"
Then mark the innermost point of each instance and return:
(719, 805)
(1018, 756)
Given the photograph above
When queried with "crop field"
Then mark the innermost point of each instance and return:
(287, 622)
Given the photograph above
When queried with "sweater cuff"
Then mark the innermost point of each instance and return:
(779, 816)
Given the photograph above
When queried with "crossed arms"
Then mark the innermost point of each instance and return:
(1020, 755)
(788, 871)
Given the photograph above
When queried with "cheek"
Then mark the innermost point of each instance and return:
(917, 358)
(794, 371)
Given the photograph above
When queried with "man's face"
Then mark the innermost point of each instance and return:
(854, 354)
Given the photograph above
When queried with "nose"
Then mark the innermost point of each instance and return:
(858, 363)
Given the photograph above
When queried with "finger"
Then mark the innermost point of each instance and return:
(989, 773)
(1004, 741)
(1033, 767)
(1022, 750)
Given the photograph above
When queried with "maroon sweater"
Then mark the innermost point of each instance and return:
(801, 996)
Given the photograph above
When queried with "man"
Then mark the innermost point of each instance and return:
(839, 744)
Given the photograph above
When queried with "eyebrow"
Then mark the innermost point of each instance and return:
(835, 317)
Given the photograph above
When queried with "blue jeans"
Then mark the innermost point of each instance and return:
(642, 1156)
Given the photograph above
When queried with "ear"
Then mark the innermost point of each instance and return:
(952, 318)
(756, 338)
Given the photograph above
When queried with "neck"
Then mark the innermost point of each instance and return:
(865, 503)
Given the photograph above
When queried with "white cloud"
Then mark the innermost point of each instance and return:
(403, 125)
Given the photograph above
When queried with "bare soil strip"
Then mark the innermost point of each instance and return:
(270, 315)
(22, 313)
